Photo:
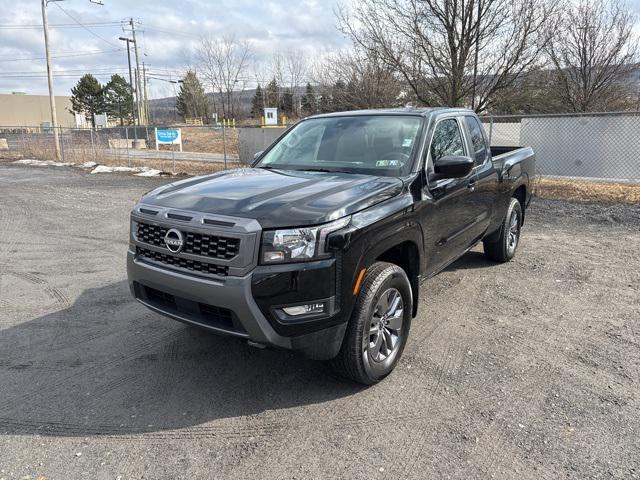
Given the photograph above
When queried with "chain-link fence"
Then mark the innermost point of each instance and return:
(214, 147)
(593, 146)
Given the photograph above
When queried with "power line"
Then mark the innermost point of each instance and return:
(61, 25)
(86, 28)
(63, 75)
(69, 70)
(60, 56)
(68, 74)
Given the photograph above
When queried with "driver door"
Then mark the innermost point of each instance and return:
(454, 211)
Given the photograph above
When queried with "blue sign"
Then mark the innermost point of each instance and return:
(167, 136)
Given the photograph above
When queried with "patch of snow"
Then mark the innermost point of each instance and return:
(149, 172)
(43, 163)
(88, 165)
(106, 169)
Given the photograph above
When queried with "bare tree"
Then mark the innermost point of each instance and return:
(595, 55)
(224, 64)
(453, 52)
(369, 83)
(296, 68)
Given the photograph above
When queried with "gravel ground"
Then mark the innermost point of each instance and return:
(524, 370)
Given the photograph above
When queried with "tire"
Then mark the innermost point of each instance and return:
(504, 247)
(364, 356)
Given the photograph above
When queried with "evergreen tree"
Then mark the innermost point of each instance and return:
(339, 96)
(87, 97)
(272, 94)
(286, 102)
(191, 101)
(257, 104)
(118, 99)
(309, 103)
(325, 105)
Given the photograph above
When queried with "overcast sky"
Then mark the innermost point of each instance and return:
(168, 33)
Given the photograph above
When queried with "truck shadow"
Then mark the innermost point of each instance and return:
(107, 366)
(469, 261)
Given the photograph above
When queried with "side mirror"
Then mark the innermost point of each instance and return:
(257, 154)
(452, 166)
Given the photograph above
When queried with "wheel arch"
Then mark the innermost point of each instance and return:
(406, 255)
(520, 194)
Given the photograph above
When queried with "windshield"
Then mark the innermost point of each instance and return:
(378, 145)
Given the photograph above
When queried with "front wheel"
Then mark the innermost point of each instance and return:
(379, 326)
(503, 248)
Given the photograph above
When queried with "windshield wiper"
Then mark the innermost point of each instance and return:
(326, 170)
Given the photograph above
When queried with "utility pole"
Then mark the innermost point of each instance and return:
(52, 98)
(144, 93)
(475, 59)
(138, 86)
(133, 112)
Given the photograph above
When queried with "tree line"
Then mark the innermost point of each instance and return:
(496, 56)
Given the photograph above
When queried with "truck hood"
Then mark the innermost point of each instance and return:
(277, 198)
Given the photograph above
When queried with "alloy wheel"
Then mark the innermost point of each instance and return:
(386, 325)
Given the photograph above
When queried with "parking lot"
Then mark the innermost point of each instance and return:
(524, 370)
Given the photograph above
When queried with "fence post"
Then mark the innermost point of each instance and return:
(93, 146)
(61, 143)
(173, 157)
(126, 134)
(490, 128)
(224, 147)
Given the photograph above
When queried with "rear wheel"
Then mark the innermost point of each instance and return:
(379, 326)
(503, 248)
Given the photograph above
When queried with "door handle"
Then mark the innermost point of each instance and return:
(471, 185)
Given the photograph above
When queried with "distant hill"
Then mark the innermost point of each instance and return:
(163, 110)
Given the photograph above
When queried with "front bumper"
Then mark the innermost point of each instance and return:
(187, 297)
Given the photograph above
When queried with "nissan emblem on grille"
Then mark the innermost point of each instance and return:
(174, 240)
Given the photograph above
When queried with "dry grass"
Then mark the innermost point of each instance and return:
(83, 151)
(554, 189)
(207, 140)
(10, 155)
(185, 167)
(587, 191)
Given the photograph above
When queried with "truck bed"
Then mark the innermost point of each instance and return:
(499, 150)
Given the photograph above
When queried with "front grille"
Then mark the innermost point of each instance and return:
(212, 315)
(183, 263)
(212, 246)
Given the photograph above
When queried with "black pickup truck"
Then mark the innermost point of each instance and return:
(321, 245)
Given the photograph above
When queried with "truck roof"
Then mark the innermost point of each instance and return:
(417, 111)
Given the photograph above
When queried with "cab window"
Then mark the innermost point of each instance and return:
(447, 140)
(480, 150)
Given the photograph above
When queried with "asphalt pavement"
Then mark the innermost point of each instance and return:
(525, 370)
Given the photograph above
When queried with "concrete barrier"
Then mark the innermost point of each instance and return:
(120, 143)
(252, 140)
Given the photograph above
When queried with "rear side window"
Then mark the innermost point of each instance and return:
(447, 140)
(478, 141)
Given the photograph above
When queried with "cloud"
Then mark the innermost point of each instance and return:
(168, 34)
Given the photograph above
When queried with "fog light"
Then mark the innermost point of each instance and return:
(304, 309)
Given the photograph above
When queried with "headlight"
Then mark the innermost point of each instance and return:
(298, 244)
